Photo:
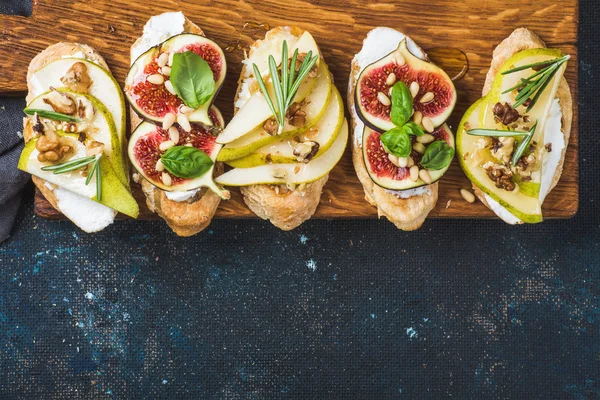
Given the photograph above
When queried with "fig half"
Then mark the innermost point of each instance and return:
(389, 176)
(377, 78)
(145, 152)
(149, 89)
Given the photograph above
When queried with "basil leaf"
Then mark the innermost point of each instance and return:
(413, 129)
(396, 142)
(186, 162)
(402, 104)
(437, 156)
(192, 79)
(54, 116)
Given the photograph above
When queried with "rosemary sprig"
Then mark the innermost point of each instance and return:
(286, 85)
(51, 115)
(78, 163)
(523, 145)
(535, 84)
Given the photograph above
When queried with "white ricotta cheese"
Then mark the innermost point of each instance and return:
(553, 135)
(79, 54)
(181, 196)
(379, 43)
(158, 29)
(405, 194)
(87, 214)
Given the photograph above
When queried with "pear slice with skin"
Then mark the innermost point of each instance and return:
(316, 105)
(104, 88)
(526, 208)
(297, 173)
(256, 110)
(102, 130)
(114, 194)
(282, 152)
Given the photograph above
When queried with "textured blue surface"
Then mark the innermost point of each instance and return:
(344, 309)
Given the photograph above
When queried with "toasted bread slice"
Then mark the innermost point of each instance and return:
(523, 39)
(185, 218)
(408, 213)
(45, 57)
(284, 208)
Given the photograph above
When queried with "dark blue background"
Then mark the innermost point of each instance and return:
(335, 309)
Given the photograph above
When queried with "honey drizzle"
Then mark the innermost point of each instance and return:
(250, 25)
(452, 60)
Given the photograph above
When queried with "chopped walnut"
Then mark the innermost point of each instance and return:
(305, 151)
(77, 78)
(38, 126)
(61, 103)
(300, 60)
(53, 148)
(549, 147)
(295, 115)
(270, 126)
(501, 175)
(503, 149)
(505, 113)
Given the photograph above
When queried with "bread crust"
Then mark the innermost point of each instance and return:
(45, 57)
(522, 39)
(284, 209)
(406, 214)
(185, 218)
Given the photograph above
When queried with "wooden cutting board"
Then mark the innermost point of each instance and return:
(473, 26)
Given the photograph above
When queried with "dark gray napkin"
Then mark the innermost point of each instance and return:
(12, 180)
(15, 7)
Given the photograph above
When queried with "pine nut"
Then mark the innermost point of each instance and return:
(183, 120)
(168, 120)
(400, 59)
(425, 177)
(410, 162)
(156, 79)
(160, 167)
(418, 117)
(186, 109)
(402, 162)
(427, 124)
(426, 138)
(391, 79)
(414, 89)
(419, 147)
(170, 62)
(164, 146)
(166, 71)
(162, 59)
(166, 178)
(414, 173)
(393, 159)
(383, 99)
(169, 87)
(467, 195)
(174, 134)
(427, 97)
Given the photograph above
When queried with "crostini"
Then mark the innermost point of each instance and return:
(176, 73)
(399, 102)
(75, 136)
(512, 142)
(288, 131)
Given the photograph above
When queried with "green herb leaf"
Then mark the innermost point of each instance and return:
(402, 104)
(397, 142)
(54, 116)
(413, 129)
(186, 162)
(523, 145)
(437, 156)
(192, 79)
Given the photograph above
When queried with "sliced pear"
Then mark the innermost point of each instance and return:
(101, 128)
(256, 110)
(316, 105)
(282, 152)
(279, 174)
(114, 194)
(104, 87)
(522, 206)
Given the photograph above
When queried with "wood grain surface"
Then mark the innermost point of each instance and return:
(474, 26)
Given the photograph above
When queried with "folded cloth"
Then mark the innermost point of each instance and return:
(12, 181)
(15, 7)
